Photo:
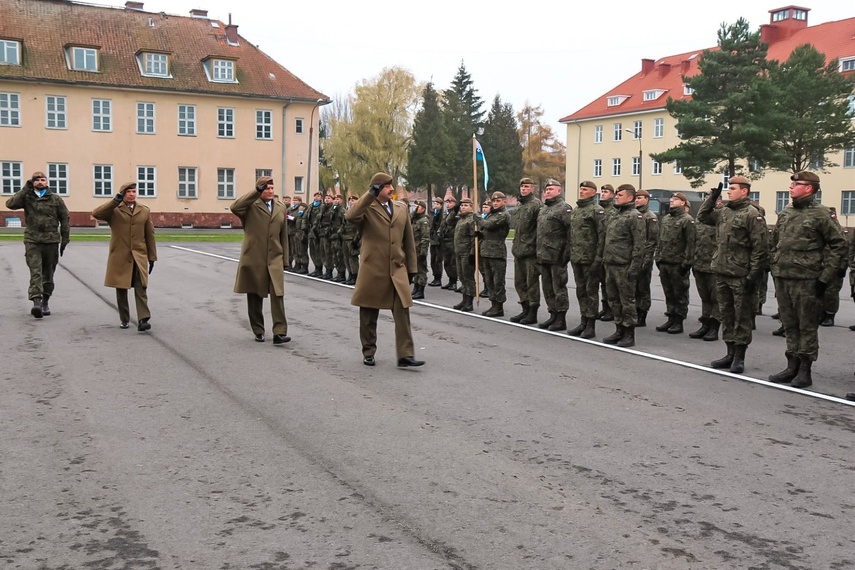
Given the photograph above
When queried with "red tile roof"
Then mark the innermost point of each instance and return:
(46, 27)
(834, 39)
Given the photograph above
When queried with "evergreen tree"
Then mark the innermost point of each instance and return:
(501, 144)
(463, 117)
(428, 154)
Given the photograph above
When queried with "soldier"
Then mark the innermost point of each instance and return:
(45, 236)
(313, 219)
(464, 251)
(607, 202)
(808, 251)
(485, 293)
(291, 209)
(651, 240)
(851, 258)
(674, 258)
(741, 253)
(336, 230)
(763, 286)
(446, 240)
(831, 299)
(301, 245)
(435, 246)
(623, 254)
(325, 234)
(553, 254)
(705, 246)
(494, 230)
(524, 250)
(350, 243)
(587, 223)
(133, 252)
(421, 237)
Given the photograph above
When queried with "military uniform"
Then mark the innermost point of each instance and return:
(831, 299)
(464, 252)
(524, 250)
(435, 247)
(292, 235)
(421, 236)
(623, 254)
(313, 217)
(350, 244)
(674, 258)
(301, 241)
(446, 240)
(587, 227)
(645, 274)
(336, 248)
(705, 246)
(553, 254)
(606, 314)
(494, 257)
(325, 233)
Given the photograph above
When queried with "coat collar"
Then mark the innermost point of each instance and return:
(382, 211)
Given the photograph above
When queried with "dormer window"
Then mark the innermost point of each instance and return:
(153, 64)
(799, 14)
(82, 58)
(615, 100)
(220, 70)
(687, 90)
(653, 94)
(10, 52)
(847, 64)
(781, 15)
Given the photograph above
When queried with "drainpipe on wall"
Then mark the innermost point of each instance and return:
(284, 136)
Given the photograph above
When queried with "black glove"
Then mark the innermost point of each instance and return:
(479, 234)
(411, 276)
(150, 267)
(62, 248)
(260, 188)
(375, 190)
(715, 193)
(684, 269)
(820, 289)
(119, 198)
(471, 259)
(841, 273)
(750, 285)
(29, 184)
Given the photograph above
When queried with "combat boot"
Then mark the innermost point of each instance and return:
(578, 329)
(676, 327)
(304, 270)
(419, 292)
(496, 310)
(615, 336)
(523, 313)
(786, 375)
(590, 328)
(327, 276)
(828, 320)
(450, 285)
(712, 332)
(803, 379)
(701, 332)
(738, 364)
(628, 338)
(726, 360)
(45, 307)
(36, 311)
(642, 318)
(467, 303)
(548, 322)
(531, 317)
(437, 282)
(484, 294)
(779, 331)
(666, 325)
(608, 316)
(776, 316)
(339, 278)
(560, 322)
(459, 305)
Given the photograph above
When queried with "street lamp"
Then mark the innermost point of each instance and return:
(311, 130)
(640, 156)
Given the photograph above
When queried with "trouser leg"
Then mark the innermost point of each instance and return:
(254, 306)
(368, 330)
(122, 304)
(277, 311)
(140, 296)
(33, 256)
(403, 333)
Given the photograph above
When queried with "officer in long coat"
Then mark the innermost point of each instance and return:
(133, 252)
(263, 257)
(387, 264)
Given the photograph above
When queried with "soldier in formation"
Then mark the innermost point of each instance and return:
(350, 244)
(464, 252)
(651, 240)
(435, 246)
(446, 240)
(301, 239)
(421, 237)
(705, 247)
(325, 234)
(831, 299)
(674, 258)
(587, 230)
(524, 250)
(553, 254)
(494, 228)
(607, 201)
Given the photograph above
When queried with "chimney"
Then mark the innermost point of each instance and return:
(685, 66)
(197, 13)
(646, 66)
(231, 33)
(664, 69)
(131, 5)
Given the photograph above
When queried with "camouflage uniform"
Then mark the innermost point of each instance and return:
(553, 253)
(674, 258)
(301, 242)
(446, 239)
(421, 237)
(325, 234)
(623, 254)
(336, 248)
(611, 211)
(435, 248)
(464, 251)
(313, 217)
(350, 243)
(645, 274)
(705, 246)
(588, 223)
(524, 250)
(47, 227)
(494, 253)
(831, 299)
(292, 236)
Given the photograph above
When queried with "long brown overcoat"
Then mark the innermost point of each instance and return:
(264, 253)
(387, 255)
(131, 242)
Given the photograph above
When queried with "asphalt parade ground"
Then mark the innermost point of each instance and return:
(192, 446)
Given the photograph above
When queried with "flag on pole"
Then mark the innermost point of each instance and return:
(479, 155)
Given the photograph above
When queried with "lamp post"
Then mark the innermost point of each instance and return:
(311, 130)
(640, 156)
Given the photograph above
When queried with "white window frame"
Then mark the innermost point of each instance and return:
(56, 116)
(102, 180)
(146, 181)
(658, 128)
(298, 185)
(617, 135)
(847, 202)
(849, 157)
(11, 176)
(781, 201)
(598, 168)
(259, 172)
(799, 14)
(146, 120)
(677, 168)
(847, 64)
(636, 165)
(10, 110)
(58, 175)
(83, 59)
(225, 183)
(155, 64)
(298, 126)
(615, 167)
(687, 90)
(225, 122)
(636, 130)
(10, 52)
(264, 124)
(222, 71)
(616, 100)
(598, 134)
(186, 120)
(653, 94)
(656, 167)
(188, 182)
(102, 115)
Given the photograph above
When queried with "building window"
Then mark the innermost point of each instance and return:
(187, 120)
(817, 163)
(678, 168)
(636, 130)
(102, 178)
(847, 202)
(10, 52)
(102, 115)
(616, 100)
(799, 14)
(58, 176)
(146, 181)
(658, 128)
(598, 134)
(11, 178)
(781, 201)
(10, 110)
(847, 65)
(615, 167)
(656, 167)
(55, 108)
(298, 126)
(264, 125)
(636, 165)
(851, 100)
(780, 15)
(653, 94)
(259, 172)
(618, 132)
(753, 165)
(687, 90)
(754, 197)
(226, 122)
(598, 168)
(156, 64)
(298, 185)
(187, 177)
(145, 121)
(84, 59)
(223, 70)
(849, 157)
(226, 183)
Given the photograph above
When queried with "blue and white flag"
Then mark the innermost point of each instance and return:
(479, 155)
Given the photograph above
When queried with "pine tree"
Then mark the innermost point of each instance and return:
(501, 144)
(463, 117)
(428, 154)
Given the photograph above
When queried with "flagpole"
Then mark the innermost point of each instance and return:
(476, 207)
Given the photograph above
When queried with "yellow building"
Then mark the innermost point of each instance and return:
(99, 96)
(610, 140)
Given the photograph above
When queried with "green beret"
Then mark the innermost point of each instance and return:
(380, 179)
(526, 181)
(587, 184)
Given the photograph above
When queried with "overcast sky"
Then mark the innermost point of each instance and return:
(559, 55)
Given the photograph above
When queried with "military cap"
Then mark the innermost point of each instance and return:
(421, 203)
(608, 187)
(263, 181)
(128, 186)
(37, 174)
(644, 193)
(805, 176)
(740, 180)
(380, 179)
(526, 181)
(552, 182)
(466, 201)
(627, 188)
(587, 184)
(497, 196)
(437, 199)
(680, 196)
(352, 198)
(453, 199)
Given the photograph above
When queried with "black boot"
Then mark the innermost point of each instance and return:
(560, 323)
(677, 326)
(467, 303)
(578, 330)
(496, 310)
(459, 305)
(45, 307)
(642, 318)
(545, 324)
(484, 294)
(590, 328)
(803, 379)
(608, 316)
(437, 282)
(712, 333)
(726, 360)
(628, 338)
(786, 375)
(418, 292)
(779, 331)
(615, 336)
(738, 364)
(143, 325)
(776, 316)
(303, 270)
(450, 285)
(828, 320)
(705, 326)
(36, 311)
(666, 325)
(531, 317)
(522, 314)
